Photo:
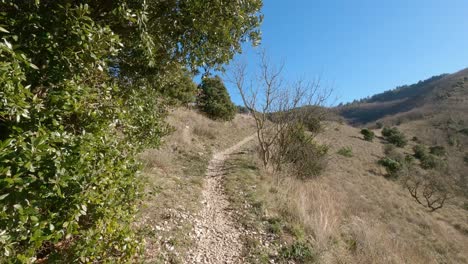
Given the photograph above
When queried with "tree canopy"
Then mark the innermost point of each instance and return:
(214, 99)
(83, 88)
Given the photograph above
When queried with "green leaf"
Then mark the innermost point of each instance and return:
(3, 196)
(33, 66)
(2, 29)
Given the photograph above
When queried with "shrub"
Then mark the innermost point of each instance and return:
(465, 159)
(415, 139)
(420, 152)
(428, 160)
(313, 125)
(242, 109)
(464, 131)
(296, 148)
(214, 99)
(392, 166)
(346, 152)
(394, 136)
(299, 252)
(379, 125)
(368, 134)
(438, 151)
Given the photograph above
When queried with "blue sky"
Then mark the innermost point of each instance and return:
(363, 47)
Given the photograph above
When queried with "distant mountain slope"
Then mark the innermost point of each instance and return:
(443, 92)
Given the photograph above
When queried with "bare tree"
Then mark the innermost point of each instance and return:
(430, 190)
(276, 105)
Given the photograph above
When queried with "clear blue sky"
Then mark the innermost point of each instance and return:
(365, 47)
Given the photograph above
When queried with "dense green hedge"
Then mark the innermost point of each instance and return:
(83, 86)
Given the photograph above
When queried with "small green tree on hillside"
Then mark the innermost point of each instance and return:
(394, 136)
(368, 134)
(214, 99)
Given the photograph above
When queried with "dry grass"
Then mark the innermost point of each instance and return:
(352, 214)
(174, 179)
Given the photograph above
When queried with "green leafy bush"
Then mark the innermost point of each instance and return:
(346, 152)
(394, 136)
(428, 160)
(298, 251)
(392, 166)
(215, 100)
(368, 134)
(420, 152)
(83, 89)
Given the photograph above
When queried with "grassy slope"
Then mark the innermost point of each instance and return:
(351, 214)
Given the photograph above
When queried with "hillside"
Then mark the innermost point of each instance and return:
(209, 201)
(446, 93)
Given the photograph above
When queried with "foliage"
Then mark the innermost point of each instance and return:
(346, 152)
(83, 88)
(392, 166)
(368, 134)
(278, 108)
(296, 148)
(299, 252)
(242, 109)
(464, 131)
(438, 151)
(465, 159)
(420, 151)
(214, 99)
(428, 160)
(379, 125)
(394, 136)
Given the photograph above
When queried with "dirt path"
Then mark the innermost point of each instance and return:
(218, 238)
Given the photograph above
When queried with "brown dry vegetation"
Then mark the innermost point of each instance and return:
(352, 214)
(174, 180)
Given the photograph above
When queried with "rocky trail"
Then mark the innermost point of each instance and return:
(217, 236)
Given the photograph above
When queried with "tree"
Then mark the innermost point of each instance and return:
(83, 89)
(430, 190)
(278, 108)
(214, 99)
